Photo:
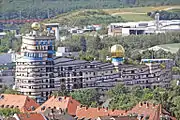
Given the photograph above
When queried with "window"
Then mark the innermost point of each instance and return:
(37, 43)
(49, 47)
(49, 55)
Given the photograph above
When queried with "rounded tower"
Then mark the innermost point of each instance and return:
(34, 74)
(117, 54)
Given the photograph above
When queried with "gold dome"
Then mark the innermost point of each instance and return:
(117, 51)
(35, 26)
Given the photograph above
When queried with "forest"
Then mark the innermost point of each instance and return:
(42, 9)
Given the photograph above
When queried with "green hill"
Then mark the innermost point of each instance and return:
(85, 17)
(10, 9)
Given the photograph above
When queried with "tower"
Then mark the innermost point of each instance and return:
(34, 69)
(117, 55)
(157, 20)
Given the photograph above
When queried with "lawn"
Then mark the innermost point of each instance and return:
(135, 17)
(174, 10)
(137, 9)
(172, 47)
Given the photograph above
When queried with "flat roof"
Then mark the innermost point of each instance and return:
(52, 24)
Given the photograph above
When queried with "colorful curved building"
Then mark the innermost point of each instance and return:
(34, 69)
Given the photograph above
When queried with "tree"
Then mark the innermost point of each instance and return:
(86, 97)
(61, 92)
(117, 90)
(83, 44)
(7, 112)
(10, 91)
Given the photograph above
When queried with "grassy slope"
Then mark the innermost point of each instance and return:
(135, 17)
(172, 47)
(84, 17)
(138, 13)
(106, 16)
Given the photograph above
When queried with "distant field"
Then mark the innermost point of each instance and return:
(139, 13)
(135, 17)
(174, 10)
(140, 9)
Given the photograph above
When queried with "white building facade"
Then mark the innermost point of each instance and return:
(34, 69)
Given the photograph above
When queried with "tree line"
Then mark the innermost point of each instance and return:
(166, 15)
(41, 9)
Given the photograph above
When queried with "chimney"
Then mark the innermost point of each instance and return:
(98, 108)
(81, 106)
(86, 107)
(28, 116)
(64, 97)
(112, 110)
(154, 105)
(49, 96)
(147, 105)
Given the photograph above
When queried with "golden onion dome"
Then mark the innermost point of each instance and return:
(117, 51)
(35, 26)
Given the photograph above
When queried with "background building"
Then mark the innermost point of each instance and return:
(143, 27)
(7, 68)
(55, 28)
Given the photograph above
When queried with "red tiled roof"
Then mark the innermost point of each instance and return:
(145, 109)
(31, 116)
(64, 103)
(84, 112)
(23, 103)
(148, 109)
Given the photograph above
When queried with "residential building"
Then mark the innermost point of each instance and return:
(29, 116)
(93, 113)
(65, 52)
(76, 74)
(117, 118)
(57, 114)
(63, 104)
(6, 70)
(38, 73)
(142, 111)
(34, 69)
(55, 28)
(21, 102)
(150, 111)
